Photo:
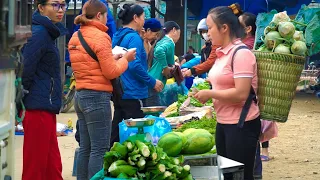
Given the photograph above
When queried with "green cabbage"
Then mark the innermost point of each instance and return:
(281, 48)
(286, 29)
(272, 39)
(298, 36)
(280, 17)
(299, 48)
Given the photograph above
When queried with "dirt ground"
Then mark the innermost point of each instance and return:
(296, 151)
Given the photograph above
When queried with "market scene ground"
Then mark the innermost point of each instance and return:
(234, 96)
(295, 152)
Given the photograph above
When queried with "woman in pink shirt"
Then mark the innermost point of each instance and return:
(234, 82)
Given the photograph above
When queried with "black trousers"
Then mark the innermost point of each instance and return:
(265, 144)
(239, 144)
(124, 109)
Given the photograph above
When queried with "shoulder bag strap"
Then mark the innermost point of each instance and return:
(252, 96)
(86, 46)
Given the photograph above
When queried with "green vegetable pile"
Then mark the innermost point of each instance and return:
(276, 32)
(190, 142)
(138, 160)
(280, 36)
(203, 123)
(173, 109)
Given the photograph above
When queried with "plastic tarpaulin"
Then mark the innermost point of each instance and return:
(253, 6)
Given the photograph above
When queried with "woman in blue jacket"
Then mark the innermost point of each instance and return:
(135, 81)
(41, 78)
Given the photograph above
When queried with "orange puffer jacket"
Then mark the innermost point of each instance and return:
(89, 73)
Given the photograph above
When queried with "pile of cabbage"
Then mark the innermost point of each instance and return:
(283, 36)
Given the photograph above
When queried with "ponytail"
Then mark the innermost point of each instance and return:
(81, 19)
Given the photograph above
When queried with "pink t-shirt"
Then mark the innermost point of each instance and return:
(222, 77)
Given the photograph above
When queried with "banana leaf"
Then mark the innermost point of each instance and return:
(312, 35)
(304, 16)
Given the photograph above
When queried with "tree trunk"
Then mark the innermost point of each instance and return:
(175, 12)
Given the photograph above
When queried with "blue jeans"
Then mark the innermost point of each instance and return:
(94, 117)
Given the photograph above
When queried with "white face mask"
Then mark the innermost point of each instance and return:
(205, 36)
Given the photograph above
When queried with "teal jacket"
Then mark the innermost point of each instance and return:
(163, 57)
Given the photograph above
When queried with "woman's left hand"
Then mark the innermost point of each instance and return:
(203, 96)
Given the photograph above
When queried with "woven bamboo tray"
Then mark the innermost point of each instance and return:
(278, 76)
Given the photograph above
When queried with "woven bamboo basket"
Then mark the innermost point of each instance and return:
(278, 76)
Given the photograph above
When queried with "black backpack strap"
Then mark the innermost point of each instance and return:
(86, 46)
(252, 96)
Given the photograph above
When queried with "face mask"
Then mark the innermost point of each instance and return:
(205, 36)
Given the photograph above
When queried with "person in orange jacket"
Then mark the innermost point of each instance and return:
(94, 88)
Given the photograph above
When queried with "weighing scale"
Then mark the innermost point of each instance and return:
(153, 110)
(140, 124)
(144, 122)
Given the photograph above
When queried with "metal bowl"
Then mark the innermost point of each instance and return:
(153, 109)
(139, 122)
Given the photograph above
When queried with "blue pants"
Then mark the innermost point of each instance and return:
(95, 119)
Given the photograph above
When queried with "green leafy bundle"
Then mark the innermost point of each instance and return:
(138, 160)
(203, 123)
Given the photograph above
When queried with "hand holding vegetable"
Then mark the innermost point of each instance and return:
(203, 96)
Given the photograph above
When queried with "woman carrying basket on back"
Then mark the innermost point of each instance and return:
(234, 81)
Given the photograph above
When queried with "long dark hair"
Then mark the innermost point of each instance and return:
(167, 27)
(250, 20)
(128, 11)
(37, 2)
(225, 15)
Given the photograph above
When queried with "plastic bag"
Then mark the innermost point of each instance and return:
(197, 81)
(160, 127)
(99, 175)
(170, 93)
(269, 130)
